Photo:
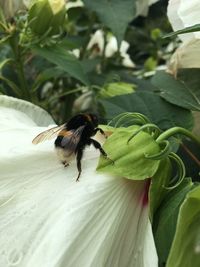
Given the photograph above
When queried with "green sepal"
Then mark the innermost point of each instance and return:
(165, 221)
(42, 21)
(129, 158)
(39, 16)
(185, 250)
(159, 181)
(57, 22)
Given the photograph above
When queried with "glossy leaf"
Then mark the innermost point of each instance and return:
(185, 250)
(165, 221)
(159, 111)
(176, 91)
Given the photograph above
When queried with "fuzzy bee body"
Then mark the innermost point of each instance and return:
(73, 137)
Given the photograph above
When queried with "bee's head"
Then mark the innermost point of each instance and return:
(94, 119)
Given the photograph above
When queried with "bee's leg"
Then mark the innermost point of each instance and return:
(65, 163)
(101, 131)
(78, 161)
(98, 146)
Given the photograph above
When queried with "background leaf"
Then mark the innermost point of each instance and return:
(177, 91)
(64, 60)
(115, 14)
(160, 112)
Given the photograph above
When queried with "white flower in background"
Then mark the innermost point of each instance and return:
(142, 6)
(97, 42)
(74, 4)
(126, 60)
(182, 14)
(48, 219)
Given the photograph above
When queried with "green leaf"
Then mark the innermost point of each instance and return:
(114, 89)
(160, 112)
(3, 24)
(129, 158)
(176, 91)
(47, 74)
(159, 182)
(194, 28)
(165, 221)
(115, 14)
(64, 60)
(4, 62)
(12, 85)
(185, 250)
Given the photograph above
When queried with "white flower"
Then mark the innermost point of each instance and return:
(126, 60)
(48, 219)
(97, 43)
(77, 3)
(182, 14)
(142, 6)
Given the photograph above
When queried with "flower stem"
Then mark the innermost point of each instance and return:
(177, 130)
(18, 57)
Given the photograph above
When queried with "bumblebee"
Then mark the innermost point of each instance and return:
(73, 137)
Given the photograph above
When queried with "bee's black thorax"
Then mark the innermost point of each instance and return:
(89, 121)
(58, 141)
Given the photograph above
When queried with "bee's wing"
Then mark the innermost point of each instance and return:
(71, 140)
(48, 134)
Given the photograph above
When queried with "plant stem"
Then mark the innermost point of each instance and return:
(17, 51)
(69, 92)
(22, 80)
(178, 130)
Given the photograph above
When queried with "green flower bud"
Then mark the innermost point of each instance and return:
(47, 17)
(130, 158)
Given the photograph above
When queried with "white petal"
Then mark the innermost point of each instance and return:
(184, 13)
(22, 112)
(127, 62)
(142, 6)
(189, 13)
(77, 3)
(97, 39)
(47, 219)
(124, 47)
(186, 56)
(111, 47)
(76, 52)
